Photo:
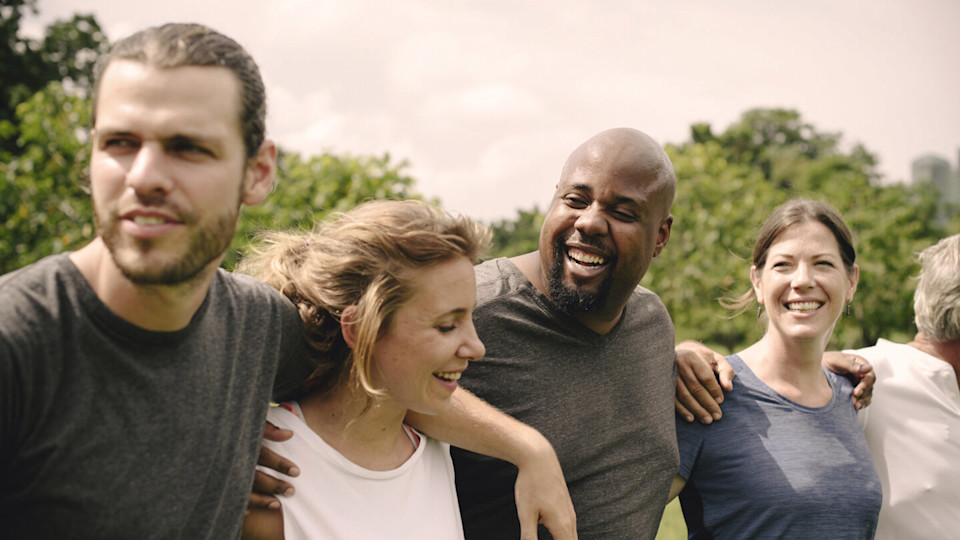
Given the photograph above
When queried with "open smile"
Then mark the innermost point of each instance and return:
(803, 307)
(452, 376)
(586, 259)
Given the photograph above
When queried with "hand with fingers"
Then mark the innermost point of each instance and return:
(855, 368)
(702, 377)
(267, 487)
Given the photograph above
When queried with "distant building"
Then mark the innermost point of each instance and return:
(936, 170)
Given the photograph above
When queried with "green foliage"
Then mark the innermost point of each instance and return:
(729, 183)
(44, 204)
(515, 237)
(718, 208)
(66, 54)
(307, 190)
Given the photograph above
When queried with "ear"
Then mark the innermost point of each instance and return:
(854, 279)
(755, 281)
(348, 325)
(259, 176)
(663, 234)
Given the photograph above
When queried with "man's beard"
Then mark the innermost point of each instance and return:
(570, 299)
(202, 246)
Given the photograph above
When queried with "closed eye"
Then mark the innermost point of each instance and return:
(574, 201)
(626, 217)
(184, 147)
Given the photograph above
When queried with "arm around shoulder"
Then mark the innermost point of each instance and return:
(541, 490)
(262, 524)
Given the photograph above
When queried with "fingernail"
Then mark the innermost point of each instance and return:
(707, 419)
(294, 471)
(716, 416)
(288, 492)
(274, 505)
(688, 418)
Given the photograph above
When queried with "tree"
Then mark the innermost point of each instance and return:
(309, 189)
(66, 54)
(729, 183)
(515, 237)
(44, 200)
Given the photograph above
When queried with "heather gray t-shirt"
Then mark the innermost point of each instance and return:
(773, 468)
(111, 431)
(605, 402)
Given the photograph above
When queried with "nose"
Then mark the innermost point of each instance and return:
(148, 174)
(591, 221)
(471, 348)
(802, 277)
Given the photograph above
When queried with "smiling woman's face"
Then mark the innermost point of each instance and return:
(803, 284)
(431, 339)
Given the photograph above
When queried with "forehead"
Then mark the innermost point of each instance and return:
(626, 168)
(810, 236)
(133, 95)
(443, 287)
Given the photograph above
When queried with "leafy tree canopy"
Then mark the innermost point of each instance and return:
(66, 54)
(307, 190)
(729, 183)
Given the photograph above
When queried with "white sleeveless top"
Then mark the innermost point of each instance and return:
(338, 499)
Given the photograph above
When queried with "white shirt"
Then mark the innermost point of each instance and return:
(913, 431)
(338, 499)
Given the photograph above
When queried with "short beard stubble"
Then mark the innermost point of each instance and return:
(572, 300)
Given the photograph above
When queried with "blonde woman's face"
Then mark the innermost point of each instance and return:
(431, 339)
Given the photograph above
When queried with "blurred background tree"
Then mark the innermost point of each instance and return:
(307, 190)
(44, 114)
(728, 183)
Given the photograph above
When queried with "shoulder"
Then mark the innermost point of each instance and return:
(39, 277)
(644, 305)
(497, 278)
(643, 296)
(248, 292)
(889, 358)
(36, 292)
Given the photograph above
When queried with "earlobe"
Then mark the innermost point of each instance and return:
(663, 234)
(755, 283)
(854, 280)
(260, 173)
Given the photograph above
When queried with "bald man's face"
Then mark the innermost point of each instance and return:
(609, 217)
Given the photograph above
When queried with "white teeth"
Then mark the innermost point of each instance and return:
(448, 375)
(585, 258)
(147, 220)
(803, 306)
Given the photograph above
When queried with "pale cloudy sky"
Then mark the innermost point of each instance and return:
(486, 99)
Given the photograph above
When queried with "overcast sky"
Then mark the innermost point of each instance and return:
(486, 99)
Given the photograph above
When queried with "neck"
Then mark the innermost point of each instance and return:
(161, 308)
(601, 322)
(372, 437)
(793, 369)
(948, 351)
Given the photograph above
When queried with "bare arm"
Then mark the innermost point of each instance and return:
(541, 491)
(262, 524)
(676, 487)
(702, 376)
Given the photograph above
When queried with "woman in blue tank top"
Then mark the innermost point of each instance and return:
(789, 459)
